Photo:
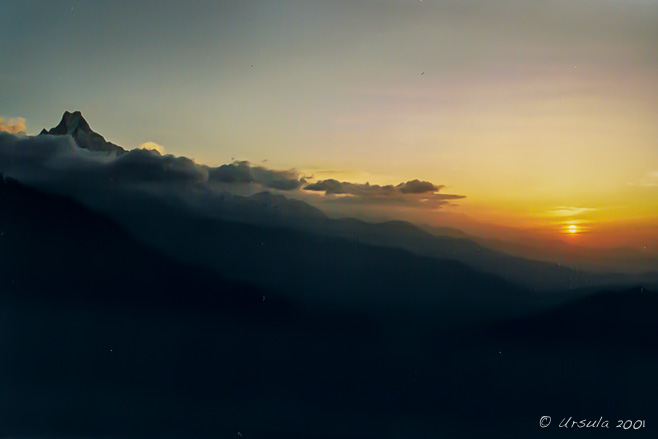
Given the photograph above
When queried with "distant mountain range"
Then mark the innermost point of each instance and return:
(628, 260)
(104, 336)
(77, 250)
(51, 246)
(131, 312)
(153, 218)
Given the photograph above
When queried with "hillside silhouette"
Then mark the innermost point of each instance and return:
(105, 336)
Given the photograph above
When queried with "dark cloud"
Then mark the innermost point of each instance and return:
(137, 183)
(57, 163)
(238, 172)
(329, 187)
(143, 165)
(243, 172)
(414, 193)
(417, 187)
(34, 154)
(59, 158)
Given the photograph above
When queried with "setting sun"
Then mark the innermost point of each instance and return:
(573, 229)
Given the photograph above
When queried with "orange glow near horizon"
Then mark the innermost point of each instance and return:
(633, 224)
(538, 132)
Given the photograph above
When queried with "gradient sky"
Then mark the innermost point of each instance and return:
(543, 113)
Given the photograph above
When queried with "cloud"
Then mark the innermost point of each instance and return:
(414, 193)
(152, 146)
(568, 211)
(243, 172)
(650, 179)
(144, 165)
(125, 182)
(14, 125)
(417, 187)
(59, 158)
(49, 155)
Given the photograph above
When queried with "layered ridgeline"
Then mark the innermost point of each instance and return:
(167, 201)
(105, 336)
(207, 314)
(54, 246)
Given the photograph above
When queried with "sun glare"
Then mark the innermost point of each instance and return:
(572, 229)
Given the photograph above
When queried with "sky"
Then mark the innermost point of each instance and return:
(542, 114)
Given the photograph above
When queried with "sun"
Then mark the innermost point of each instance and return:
(572, 229)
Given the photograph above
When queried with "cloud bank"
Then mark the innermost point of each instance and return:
(58, 158)
(58, 163)
(414, 193)
(242, 172)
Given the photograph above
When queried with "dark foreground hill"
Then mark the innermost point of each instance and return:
(102, 336)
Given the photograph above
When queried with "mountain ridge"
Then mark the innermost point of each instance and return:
(269, 209)
(75, 125)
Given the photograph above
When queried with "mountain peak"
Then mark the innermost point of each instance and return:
(76, 126)
(71, 123)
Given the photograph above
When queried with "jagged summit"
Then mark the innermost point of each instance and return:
(71, 123)
(76, 126)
